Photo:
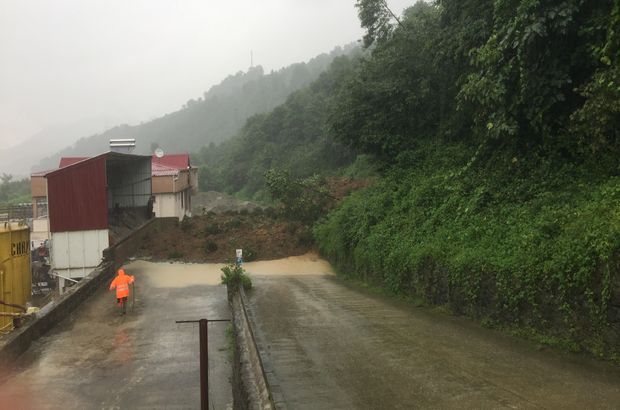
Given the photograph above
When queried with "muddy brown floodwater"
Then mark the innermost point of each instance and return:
(97, 359)
(335, 346)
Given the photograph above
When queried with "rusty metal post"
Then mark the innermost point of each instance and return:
(204, 364)
(204, 357)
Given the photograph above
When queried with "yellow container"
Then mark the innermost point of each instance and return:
(15, 275)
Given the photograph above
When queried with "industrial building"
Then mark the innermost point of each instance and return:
(174, 183)
(87, 203)
(87, 200)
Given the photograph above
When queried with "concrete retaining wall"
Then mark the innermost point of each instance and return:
(254, 387)
(127, 247)
(19, 340)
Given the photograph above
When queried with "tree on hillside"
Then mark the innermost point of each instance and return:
(532, 75)
(393, 99)
(304, 199)
(530, 70)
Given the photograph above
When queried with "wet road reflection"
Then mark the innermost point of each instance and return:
(99, 359)
(336, 346)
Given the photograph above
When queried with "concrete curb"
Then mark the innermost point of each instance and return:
(272, 382)
(254, 384)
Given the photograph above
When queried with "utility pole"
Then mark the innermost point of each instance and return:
(251, 59)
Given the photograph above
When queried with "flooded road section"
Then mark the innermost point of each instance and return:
(97, 359)
(336, 346)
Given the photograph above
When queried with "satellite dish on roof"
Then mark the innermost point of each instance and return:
(159, 152)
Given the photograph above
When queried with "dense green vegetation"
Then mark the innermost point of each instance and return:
(13, 191)
(531, 244)
(497, 126)
(216, 116)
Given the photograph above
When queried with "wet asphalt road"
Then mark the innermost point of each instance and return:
(97, 359)
(336, 346)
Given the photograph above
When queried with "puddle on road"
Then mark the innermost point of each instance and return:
(176, 275)
(160, 276)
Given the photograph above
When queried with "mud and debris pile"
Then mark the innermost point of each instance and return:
(214, 237)
(224, 223)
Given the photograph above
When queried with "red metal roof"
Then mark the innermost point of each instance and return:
(66, 161)
(167, 165)
(158, 170)
(175, 161)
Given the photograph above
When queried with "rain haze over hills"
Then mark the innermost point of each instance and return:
(72, 69)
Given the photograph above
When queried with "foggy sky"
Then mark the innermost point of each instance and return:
(113, 61)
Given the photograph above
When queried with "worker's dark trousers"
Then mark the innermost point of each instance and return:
(123, 303)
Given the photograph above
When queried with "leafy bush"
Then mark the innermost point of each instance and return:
(234, 275)
(210, 247)
(186, 224)
(249, 255)
(304, 199)
(212, 229)
(234, 223)
(175, 255)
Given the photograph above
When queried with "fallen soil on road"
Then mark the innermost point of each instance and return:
(214, 238)
(223, 223)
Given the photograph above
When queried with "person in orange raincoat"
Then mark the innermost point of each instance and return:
(121, 283)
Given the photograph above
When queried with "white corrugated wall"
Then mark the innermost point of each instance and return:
(76, 254)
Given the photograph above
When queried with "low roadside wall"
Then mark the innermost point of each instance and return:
(254, 386)
(20, 339)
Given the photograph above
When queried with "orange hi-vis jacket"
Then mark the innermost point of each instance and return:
(121, 283)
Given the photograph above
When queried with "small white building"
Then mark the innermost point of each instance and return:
(174, 183)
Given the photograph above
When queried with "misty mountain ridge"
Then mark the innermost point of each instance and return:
(18, 159)
(217, 115)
